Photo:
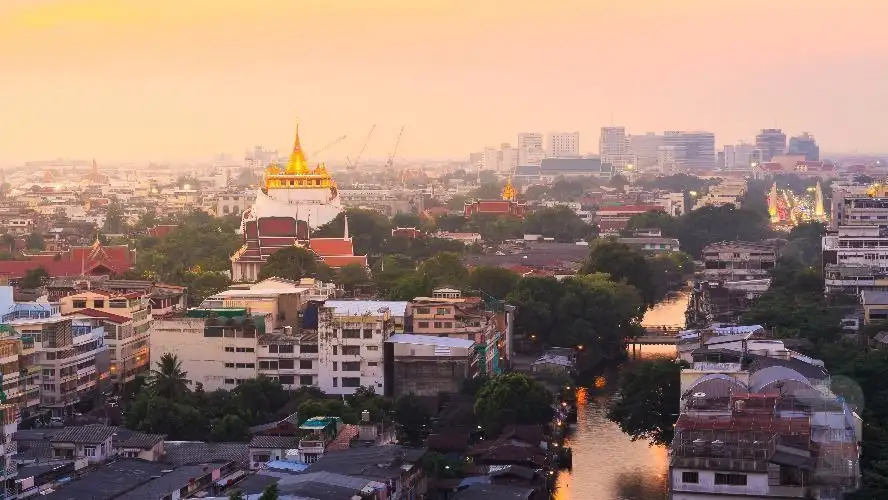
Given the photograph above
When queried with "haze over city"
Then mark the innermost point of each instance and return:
(128, 80)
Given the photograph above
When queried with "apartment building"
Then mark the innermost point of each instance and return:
(9, 419)
(855, 248)
(291, 359)
(280, 298)
(217, 347)
(428, 365)
(738, 260)
(351, 337)
(760, 421)
(127, 318)
(448, 314)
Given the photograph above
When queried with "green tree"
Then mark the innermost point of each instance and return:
(8, 241)
(388, 269)
(34, 278)
(270, 492)
(560, 223)
(352, 276)
(494, 281)
(35, 241)
(412, 418)
(647, 402)
(622, 263)
(457, 204)
(487, 191)
(536, 301)
(114, 219)
(229, 428)
(168, 380)
(513, 398)
(452, 223)
(290, 263)
(444, 269)
(370, 230)
(203, 284)
(406, 220)
(236, 495)
(803, 243)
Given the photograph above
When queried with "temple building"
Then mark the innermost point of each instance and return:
(508, 205)
(291, 201)
(94, 260)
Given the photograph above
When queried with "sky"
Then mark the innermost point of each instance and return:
(186, 79)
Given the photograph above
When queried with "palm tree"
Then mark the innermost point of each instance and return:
(168, 380)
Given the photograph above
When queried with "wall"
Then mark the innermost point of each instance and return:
(428, 377)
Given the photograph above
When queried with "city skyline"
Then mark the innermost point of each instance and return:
(123, 81)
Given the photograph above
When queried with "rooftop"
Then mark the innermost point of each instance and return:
(366, 307)
(405, 338)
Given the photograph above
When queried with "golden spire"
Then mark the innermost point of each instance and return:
(509, 192)
(297, 164)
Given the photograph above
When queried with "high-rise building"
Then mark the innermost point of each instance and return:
(644, 148)
(739, 155)
(530, 149)
(666, 160)
(693, 149)
(613, 147)
(490, 160)
(771, 142)
(564, 145)
(804, 145)
(508, 158)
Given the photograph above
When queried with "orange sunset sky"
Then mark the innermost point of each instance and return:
(169, 79)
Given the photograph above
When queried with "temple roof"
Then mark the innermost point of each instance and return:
(297, 165)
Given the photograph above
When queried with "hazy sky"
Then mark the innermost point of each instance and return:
(139, 79)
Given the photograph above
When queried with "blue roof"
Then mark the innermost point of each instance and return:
(287, 465)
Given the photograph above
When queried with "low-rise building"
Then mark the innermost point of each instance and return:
(738, 260)
(427, 366)
(653, 244)
(351, 337)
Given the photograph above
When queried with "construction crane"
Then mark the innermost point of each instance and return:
(328, 146)
(354, 165)
(391, 158)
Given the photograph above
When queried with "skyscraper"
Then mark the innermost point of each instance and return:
(771, 142)
(564, 145)
(613, 147)
(530, 149)
(739, 155)
(644, 148)
(692, 149)
(804, 145)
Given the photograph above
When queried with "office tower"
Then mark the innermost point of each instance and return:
(693, 149)
(739, 155)
(805, 145)
(530, 149)
(508, 158)
(613, 147)
(564, 145)
(490, 160)
(644, 148)
(771, 142)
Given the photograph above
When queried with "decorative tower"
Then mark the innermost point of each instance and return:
(509, 192)
(772, 204)
(818, 202)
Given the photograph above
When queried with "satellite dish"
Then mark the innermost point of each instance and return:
(699, 395)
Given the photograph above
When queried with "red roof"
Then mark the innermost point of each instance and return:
(630, 209)
(95, 313)
(161, 230)
(325, 247)
(77, 261)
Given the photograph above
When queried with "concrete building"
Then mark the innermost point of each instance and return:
(127, 319)
(530, 149)
(758, 421)
(728, 192)
(233, 203)
(613, 148)
(804, 145)
(280, 298)
(738, 260)
(509, 158)
(351, 337)
(739, 156)
(694, 150)
(428, 365)
(651, 244)
(667, 161)
(855, 248)
(563, 145)
(645, 148)
(9, 419)
(770, 142)
(387, 201)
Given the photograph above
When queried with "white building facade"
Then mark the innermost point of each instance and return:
(564, 145)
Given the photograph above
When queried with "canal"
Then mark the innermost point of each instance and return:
(607, 465)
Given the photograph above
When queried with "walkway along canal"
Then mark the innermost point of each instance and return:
(607, 465)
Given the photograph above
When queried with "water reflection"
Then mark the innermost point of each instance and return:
(607, 465)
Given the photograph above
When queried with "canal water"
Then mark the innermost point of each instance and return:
(607, 465)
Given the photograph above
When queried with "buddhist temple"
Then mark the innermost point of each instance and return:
(507, 205)
(291, 200)
(94, 260)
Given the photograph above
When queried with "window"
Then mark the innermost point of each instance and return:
(335, 382)
(99, 304)
(245, 349)
(372, 347)
(229, 349)
(352, 333)
(448, 324)
(726, 479)
(285, 349)
(335, 366)
(372, 363)
(308, 348)
(356, 382)
(229, 365)
(285, 364)
(439, 324)
(272, 348)
(305, 364)
(423, 310)
(286, 379)
(245, 365)
(335, 350)
(423, 324)
(368, 334)
(441, 311)
(89, 451)
(78, 304)
(351, 350)
(690, 477)
(305, 380)
(268, 365)
(351, 366)
(229, 381)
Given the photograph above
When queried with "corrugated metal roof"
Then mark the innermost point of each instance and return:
(364, 307)
(407, 338)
